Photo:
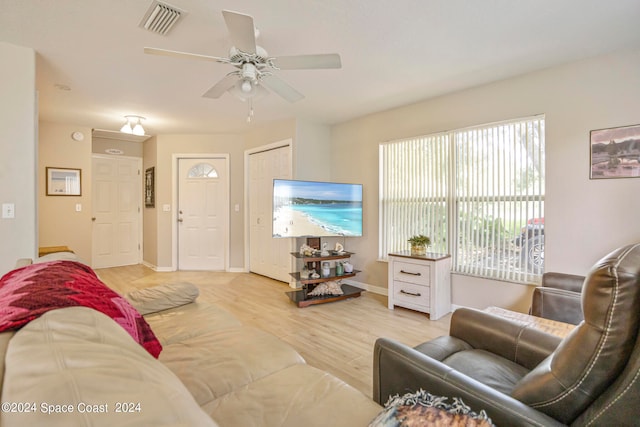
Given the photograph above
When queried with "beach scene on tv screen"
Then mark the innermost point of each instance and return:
(306, 208)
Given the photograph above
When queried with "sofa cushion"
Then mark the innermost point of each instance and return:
(216, 363)
(162, 297)
(73, 360)
(298, 396)
(188, 321)
(28, 292)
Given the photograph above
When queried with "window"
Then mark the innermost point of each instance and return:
(477, 192)
(202, 170)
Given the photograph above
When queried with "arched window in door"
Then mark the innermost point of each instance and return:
(202, 170)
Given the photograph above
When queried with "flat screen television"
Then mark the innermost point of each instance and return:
(316, 209)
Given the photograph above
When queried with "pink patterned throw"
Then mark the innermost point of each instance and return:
(28, 292)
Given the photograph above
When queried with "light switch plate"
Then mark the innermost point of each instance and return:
(8, 210)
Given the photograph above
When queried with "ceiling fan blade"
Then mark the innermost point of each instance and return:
(222, 86)
(174, 53)
(241, 30)
(279, 86)
(301, 62)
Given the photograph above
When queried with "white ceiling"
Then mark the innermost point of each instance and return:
(393, 53)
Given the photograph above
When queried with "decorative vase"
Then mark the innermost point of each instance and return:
(418, 249)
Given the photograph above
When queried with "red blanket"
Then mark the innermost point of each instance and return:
(28, 292)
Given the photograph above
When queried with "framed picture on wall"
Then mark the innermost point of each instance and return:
(615, 152)
(149, 188)
(64, 182)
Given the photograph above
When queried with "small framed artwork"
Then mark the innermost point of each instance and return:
(149, 188)
(615, 152)
(64, 182)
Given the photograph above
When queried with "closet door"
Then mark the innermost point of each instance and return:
(267, 256)
(116, 212)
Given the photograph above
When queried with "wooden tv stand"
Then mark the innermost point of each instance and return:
(300, 296)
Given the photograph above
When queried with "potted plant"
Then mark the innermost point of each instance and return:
(419, 244)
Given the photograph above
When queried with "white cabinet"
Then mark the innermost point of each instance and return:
(420, 282)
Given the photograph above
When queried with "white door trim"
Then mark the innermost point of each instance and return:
(175, 157)
(247, 153)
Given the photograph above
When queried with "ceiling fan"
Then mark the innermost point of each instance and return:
(254, 67)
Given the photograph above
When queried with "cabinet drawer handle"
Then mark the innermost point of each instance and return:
(417, 294)
(409, 272)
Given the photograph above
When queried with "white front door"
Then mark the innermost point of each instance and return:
(267, 256)
(203, 213)
(116, 201)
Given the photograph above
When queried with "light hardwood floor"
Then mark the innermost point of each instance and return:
(336, 337)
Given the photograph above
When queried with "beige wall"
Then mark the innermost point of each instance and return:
(584, 219)
(18, 153)
(264, 135)
(312, 152)
(59, 222)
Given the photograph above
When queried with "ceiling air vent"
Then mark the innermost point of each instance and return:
(160, 18)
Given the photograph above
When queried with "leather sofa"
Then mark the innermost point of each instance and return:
(75, 366)
(559, 297)
(525, 377)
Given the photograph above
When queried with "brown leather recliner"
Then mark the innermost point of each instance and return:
(559, 297)
(525, 377)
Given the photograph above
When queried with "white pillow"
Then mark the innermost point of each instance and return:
(162, 297)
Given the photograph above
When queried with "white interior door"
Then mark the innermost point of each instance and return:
(267, 256)
(203, 211)
(116, 201)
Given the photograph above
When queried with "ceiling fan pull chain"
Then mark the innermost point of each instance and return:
(250, 113)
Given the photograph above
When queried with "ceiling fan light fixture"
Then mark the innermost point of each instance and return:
(244, 89)
(133, 125)
(246, 86)
(138, 130)
(126, 128)
(253, 76)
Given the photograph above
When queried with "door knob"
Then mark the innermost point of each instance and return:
(93, 218)
(179, 219)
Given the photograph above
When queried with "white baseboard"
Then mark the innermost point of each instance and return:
(237, 270)
(156, 268)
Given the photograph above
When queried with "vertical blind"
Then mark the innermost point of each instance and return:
(477, 192)
(414, 190)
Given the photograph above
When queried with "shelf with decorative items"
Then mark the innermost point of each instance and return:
(319, 280)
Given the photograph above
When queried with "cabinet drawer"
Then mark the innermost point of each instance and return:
(409, 293)
(411, 273)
